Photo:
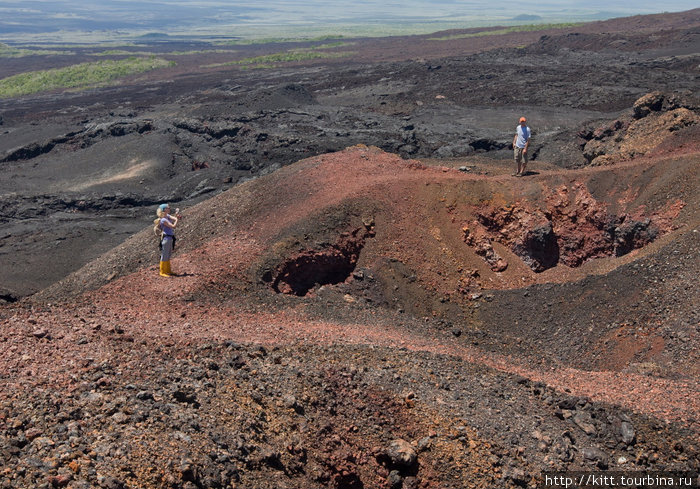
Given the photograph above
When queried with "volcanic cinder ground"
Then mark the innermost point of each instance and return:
(365, 297)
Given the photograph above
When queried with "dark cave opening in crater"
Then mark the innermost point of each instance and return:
(328, 265)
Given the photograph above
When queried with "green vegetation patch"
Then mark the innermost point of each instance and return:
(507, 30)
(275, 59)
(201, 51)
(122, 52)
(10, 52)
(78, 76)
(330, 45)
(271, 40)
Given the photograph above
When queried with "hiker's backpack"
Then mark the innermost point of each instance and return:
(158, 232)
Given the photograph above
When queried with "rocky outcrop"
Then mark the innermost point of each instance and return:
(482, 244)
(20, 207)
(216, 130)
(573, 228)
(654, 117)
(79, 139)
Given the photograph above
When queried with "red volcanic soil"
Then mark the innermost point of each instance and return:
(360, 318)
(348, 216)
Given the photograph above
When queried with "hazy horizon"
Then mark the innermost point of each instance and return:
(34, 17)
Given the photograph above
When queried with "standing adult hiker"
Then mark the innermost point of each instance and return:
(166, 224)
(521, 141)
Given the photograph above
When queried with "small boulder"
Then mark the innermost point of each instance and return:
(401, 453)
(186, 395)
(583, 421)
(517, 476)
(628, 434)
(595, 455)
(395, 481)
(651, 102)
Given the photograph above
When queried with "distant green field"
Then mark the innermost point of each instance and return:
(275, 59)
(506, 30)
(10, 52)
(270, 40)
(330, 45)
(78, 76)
(122, 52)
(320, 32)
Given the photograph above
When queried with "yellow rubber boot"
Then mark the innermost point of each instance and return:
(165, 269)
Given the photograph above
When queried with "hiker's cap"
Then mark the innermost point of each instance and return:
(522, 119)
(163, 207)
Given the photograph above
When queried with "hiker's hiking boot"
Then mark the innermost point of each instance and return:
(165, 269)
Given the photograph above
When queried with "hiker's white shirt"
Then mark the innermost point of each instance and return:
(523, 136)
